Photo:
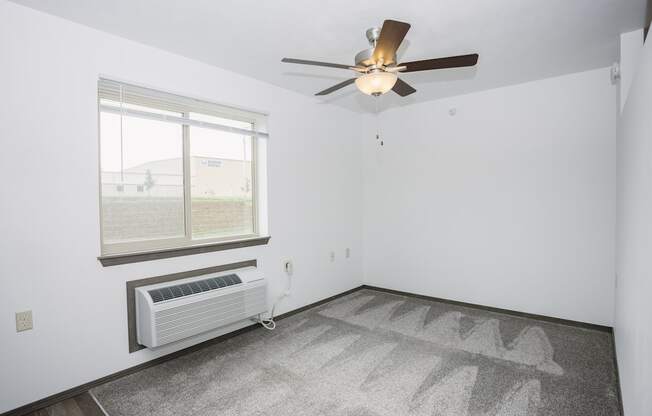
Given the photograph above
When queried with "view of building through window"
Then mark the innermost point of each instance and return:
(221, 181)
(147, 190)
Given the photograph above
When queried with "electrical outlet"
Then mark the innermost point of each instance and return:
(332, 256)
(24, 321)
(347, 253)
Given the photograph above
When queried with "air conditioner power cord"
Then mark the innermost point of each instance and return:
(268, 323)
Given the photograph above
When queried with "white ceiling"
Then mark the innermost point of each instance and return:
(518, 40)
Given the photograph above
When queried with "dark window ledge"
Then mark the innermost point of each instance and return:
(117, 259)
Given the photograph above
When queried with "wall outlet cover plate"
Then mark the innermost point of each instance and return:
(24, 321)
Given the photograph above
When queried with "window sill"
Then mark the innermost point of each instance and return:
(117, 259)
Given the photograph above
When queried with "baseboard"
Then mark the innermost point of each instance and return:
(544, 318)
(75, 391)
(315, 304)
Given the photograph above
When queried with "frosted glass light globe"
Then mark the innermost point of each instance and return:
(376, 83)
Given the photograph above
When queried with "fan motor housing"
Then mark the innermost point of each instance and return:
(365, 57)
(372, 35)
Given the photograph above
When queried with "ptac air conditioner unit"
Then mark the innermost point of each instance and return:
(171, 311)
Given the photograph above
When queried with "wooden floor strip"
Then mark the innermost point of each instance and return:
(81, 405)
(89, 405)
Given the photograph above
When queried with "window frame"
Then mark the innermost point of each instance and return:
(175, 246)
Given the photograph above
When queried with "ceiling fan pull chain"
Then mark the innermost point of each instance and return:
(376, 98)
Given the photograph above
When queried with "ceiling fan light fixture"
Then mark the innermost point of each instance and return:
(376, 83)
(379, 66)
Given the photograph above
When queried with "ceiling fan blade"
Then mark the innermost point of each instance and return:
(315, 63)
(402, 88)
(391, 36)
(336, 87)
(441, 63)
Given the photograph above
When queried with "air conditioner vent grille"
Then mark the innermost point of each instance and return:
(185, 289)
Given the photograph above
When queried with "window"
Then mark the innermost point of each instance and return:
(177, 172)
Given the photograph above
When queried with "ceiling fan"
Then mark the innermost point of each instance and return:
(377, 67)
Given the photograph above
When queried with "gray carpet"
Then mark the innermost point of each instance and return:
(376, 354)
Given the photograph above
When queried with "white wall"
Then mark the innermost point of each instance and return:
(510, 203)
(50, 238)
(631, 48)
(634, 243)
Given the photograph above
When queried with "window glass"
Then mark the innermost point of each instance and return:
(221, 182)
(142, 179)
